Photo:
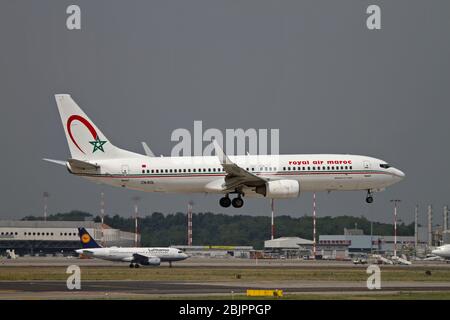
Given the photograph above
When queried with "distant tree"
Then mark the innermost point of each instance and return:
(158, 229)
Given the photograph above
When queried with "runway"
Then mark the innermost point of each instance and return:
(204, 262)
(45, 278)
(136, 289)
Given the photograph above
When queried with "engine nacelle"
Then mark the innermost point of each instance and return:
(280, 189)
(154, 261)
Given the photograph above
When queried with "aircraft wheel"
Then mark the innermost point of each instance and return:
(369, 199)
(131, 265)
(237, 202)
(225, 202)
(136, 265)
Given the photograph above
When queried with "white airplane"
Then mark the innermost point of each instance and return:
(442, 251)
(94, 157)
(135, 256)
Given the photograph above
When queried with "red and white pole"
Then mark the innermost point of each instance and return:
(189, 240)
(272, 223)
(136, 216)
(102, 216)
(314, 225)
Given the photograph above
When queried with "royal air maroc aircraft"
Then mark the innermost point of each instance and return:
(95, 158)
(134, 255)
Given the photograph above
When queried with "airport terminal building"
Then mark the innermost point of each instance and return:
(56, 237)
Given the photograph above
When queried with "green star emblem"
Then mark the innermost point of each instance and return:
(98, 144)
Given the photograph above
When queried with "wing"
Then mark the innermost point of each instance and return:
(142, 257)
(236, 176)
(146, 259)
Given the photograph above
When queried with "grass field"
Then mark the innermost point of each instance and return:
(225, 274)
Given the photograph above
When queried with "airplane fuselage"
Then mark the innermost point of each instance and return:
(314, 172)
(126, 254)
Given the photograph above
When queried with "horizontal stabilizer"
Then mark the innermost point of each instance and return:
(60, 162)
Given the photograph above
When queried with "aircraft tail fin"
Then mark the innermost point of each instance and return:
(86, 141)
(87, 242)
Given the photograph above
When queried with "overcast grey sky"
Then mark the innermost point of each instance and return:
(141, 69)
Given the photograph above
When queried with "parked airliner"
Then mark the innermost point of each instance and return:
(134, 255)
(94, 157)
(442, 251)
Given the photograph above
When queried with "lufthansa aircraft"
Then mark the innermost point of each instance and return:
(135, 256)
(95, 158)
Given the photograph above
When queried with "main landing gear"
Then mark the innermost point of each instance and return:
(369, 197)
(237, 202)
(134, 265)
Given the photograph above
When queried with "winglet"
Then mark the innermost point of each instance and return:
(147, 150)
(223, 158)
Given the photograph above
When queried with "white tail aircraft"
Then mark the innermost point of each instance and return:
(94, 157)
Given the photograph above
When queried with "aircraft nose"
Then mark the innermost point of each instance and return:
(398, 173)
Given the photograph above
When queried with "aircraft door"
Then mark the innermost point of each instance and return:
(366, 164)
(125, 169)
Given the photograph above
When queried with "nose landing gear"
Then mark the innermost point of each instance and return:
(369, 197)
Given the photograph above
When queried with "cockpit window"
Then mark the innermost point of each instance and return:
(385, 165)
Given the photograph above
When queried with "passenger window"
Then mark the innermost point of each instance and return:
(351, 167)
(346, 167)
(143, 171)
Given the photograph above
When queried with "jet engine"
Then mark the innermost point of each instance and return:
(280, 189)
(154, 261)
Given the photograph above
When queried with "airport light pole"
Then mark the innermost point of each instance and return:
(416, 228)
(102, 215)
(136, 212)
(395, 201)
(46, 195)
(272, 232)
